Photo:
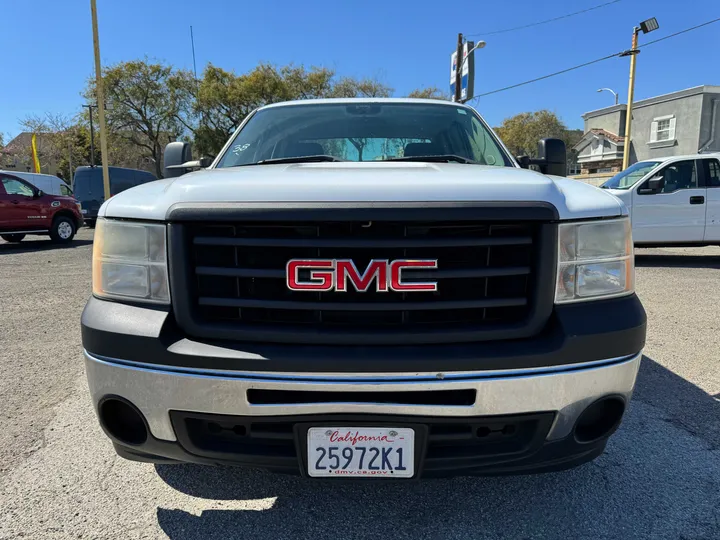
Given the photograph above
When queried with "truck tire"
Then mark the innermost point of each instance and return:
(12, 237)
(62, 230)
(90, 223)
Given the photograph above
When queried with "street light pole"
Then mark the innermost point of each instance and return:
(633, 52)
(650, 25)
(613, 92)
(100, 100)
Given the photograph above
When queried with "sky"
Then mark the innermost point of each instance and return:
(48, 52)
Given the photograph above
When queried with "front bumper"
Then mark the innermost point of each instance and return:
(554, 398)
(187, 391)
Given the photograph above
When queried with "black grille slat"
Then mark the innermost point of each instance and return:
(360, 242)
(367, 306)
(487, 278)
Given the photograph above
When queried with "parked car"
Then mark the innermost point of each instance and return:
(52, 185)
(426, 307)
(25, 209)
(673, 200)
(89, 189)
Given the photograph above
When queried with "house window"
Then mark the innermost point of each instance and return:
(662, 129)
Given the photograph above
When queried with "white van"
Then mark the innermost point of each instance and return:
(52, 185)
(673, 200)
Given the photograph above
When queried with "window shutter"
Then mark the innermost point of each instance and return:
(653, 131)
(672, 129)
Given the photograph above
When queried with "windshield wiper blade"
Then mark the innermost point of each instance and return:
(435, 159)
(298, 159)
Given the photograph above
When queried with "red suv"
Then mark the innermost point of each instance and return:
(24, 209)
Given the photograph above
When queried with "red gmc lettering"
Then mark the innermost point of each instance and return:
(397, 284)
(320, 280)
(377, 270)
(331, 274)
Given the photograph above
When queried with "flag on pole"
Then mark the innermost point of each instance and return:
(36, 160)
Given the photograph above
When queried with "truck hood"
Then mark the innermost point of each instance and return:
(625, 195)
(362, 182)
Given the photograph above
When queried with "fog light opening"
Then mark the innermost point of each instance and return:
(599, 420)
(123, 421)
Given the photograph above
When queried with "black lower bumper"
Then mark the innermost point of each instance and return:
(575, 333)
(444, 447)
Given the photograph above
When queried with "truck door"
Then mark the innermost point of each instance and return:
(674, 210)
(21, 209)
(711, 170)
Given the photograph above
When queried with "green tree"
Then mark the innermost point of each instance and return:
(431, 92)
(223, 99)
(521, 132)
(63, 141)
(146, 102)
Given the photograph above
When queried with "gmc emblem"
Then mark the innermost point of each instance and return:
(334, 275)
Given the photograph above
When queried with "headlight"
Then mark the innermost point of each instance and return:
(595, 260)
(130, 261)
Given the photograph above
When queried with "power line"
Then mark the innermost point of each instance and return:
(548, 76)
(608, 57)
(678, 33)
(484, 34)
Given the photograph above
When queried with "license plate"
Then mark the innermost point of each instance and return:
(84, 211)
(361, 452)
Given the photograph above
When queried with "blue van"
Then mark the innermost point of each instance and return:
(88, 187)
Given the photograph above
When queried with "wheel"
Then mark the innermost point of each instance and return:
(90, 223)
(62, 230)
(13, 237)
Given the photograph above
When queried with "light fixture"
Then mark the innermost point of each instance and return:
(649, 25)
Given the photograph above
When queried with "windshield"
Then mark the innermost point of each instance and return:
(364, 132)
(629, 177)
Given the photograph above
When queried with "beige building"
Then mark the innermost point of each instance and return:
(17, 154)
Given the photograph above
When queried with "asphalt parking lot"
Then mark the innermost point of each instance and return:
(60, 478)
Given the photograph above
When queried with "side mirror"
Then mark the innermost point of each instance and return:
(38, 193)
(654, 185)
(552, 157)
(176, 155)
(205, 162)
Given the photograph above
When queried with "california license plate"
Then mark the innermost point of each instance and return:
(361, 452)
(84, 211)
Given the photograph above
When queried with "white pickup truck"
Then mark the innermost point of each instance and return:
(364, 289)
(672, 201)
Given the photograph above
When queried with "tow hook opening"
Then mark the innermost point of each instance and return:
(123, 421)
(600, 419)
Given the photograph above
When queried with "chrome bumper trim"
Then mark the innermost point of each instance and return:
(156, 390)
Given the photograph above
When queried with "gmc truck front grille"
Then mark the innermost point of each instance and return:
(487, 281)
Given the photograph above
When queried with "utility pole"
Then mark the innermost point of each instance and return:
(99, 90)
(632, 53)
(650, 25)
(458, 69)
(92, 136)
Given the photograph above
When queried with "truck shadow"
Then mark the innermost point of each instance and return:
(655, 479)
(40, 245)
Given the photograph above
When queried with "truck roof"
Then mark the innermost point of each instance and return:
(366, 100)
(684, 156)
